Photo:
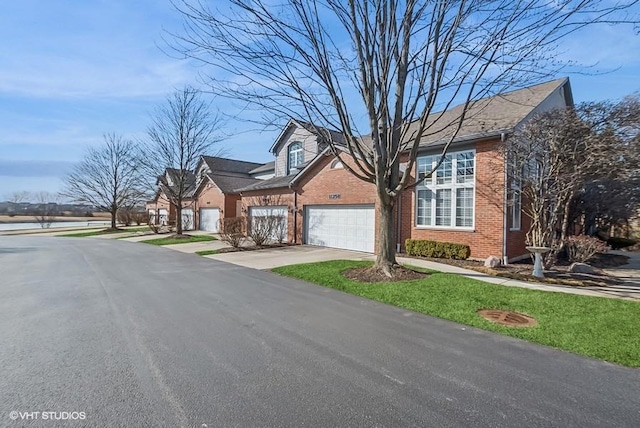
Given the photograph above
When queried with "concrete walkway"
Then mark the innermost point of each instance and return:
(629, 273)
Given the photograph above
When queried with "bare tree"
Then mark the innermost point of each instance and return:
(379, 70)
(46, 208)
(232, 231)
(108, 177)
(18, 197)
(182, 130)
(611, 196)
(550, 159)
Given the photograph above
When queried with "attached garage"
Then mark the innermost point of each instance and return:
(163, 216)
(350, 227)
(209, 219)
(152, 217)
(280, 230)
(187, 219)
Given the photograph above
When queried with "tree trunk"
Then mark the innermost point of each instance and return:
(179, 218)
(114, 214)
(385, 243)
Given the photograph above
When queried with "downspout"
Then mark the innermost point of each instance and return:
(399, 223)
(295, 214)
(505, 257)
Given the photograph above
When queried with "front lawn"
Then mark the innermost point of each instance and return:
(207, 252)
(184, 239)
(608, 329)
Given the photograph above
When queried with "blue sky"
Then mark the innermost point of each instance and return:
(71, 71)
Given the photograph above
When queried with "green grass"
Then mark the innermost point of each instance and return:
(207, 252)
(185, 240)
(105, 232)
(608, 329)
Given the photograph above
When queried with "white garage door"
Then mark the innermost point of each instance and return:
(163, 216)
(280, 231)
(152, 217)
(187, 219)
(351, 227)
(209, 219)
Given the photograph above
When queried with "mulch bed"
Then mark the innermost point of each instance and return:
(558, 275)
(368, 274)
(251, 248)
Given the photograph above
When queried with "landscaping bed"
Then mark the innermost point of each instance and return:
(558, 275)
(251, 248)
(179, 239)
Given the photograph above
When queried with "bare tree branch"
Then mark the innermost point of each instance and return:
(182, 130)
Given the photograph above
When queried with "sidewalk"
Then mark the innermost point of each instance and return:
(585, 291)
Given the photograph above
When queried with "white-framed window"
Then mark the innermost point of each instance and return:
(295, 156)
(446, 199)
(515, 205)
(337, 164)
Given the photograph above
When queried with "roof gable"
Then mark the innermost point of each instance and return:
(488, 116)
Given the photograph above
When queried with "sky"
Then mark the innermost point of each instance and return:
(71, 71)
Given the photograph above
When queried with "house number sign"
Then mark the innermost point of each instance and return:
(334, 196)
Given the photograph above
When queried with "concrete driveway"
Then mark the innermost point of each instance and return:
(282, 256)
(629, 273)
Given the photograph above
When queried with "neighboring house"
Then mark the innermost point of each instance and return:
(162, 211)
(468, 200)
(213, 194)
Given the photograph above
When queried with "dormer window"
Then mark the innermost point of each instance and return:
(296, 157)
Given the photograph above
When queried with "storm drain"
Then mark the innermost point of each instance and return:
(510, 318)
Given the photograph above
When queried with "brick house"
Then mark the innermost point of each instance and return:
(468, 200)
(161, 210)
(212, 192)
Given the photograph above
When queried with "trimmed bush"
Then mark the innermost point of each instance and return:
(617, 243)
(441, 250)
(232, 231)
(582, 248)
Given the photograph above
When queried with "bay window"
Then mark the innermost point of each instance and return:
(446, 199)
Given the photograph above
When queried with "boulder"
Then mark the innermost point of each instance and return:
(492, 262)
(581, 268)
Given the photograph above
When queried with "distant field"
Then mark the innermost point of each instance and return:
(30, 218)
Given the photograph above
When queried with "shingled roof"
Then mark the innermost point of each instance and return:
(269, 166)
(217, 164)
(272, 183)
(228, 183)
(488, 116)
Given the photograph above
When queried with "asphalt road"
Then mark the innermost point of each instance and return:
(139, 336)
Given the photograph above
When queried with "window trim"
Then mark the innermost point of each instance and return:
(299, 148)
(431, 184)
(337, 164)
(515, 189)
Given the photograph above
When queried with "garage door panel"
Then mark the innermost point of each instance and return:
(209, 219)
(187, 219)
(347, 227)
(272, 211)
